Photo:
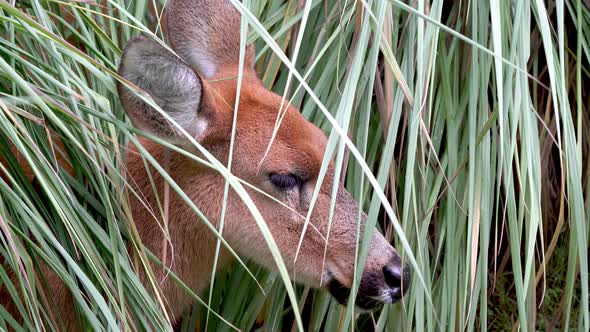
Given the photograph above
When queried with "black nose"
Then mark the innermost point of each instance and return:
(397, 277)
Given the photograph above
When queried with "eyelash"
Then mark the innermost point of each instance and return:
(284, 181)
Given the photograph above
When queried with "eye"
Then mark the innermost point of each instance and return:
(284, 181)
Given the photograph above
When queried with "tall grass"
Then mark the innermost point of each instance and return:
(461, 127)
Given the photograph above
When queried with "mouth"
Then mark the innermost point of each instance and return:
(369, 296)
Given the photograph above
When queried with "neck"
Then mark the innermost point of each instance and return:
(168, 225)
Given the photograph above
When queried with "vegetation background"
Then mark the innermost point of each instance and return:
(470, 119)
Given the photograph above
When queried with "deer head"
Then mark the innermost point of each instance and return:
(198, 91)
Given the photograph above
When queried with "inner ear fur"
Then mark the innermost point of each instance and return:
(174, 86)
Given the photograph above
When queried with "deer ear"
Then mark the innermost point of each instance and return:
(206, 34)
(174, 87)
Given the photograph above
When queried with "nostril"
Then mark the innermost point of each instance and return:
(393, 275)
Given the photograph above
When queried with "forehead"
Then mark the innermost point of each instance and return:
(298, 145)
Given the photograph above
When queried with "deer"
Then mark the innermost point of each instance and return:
(196, 87)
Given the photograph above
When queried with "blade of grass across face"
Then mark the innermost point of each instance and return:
(243, 35)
